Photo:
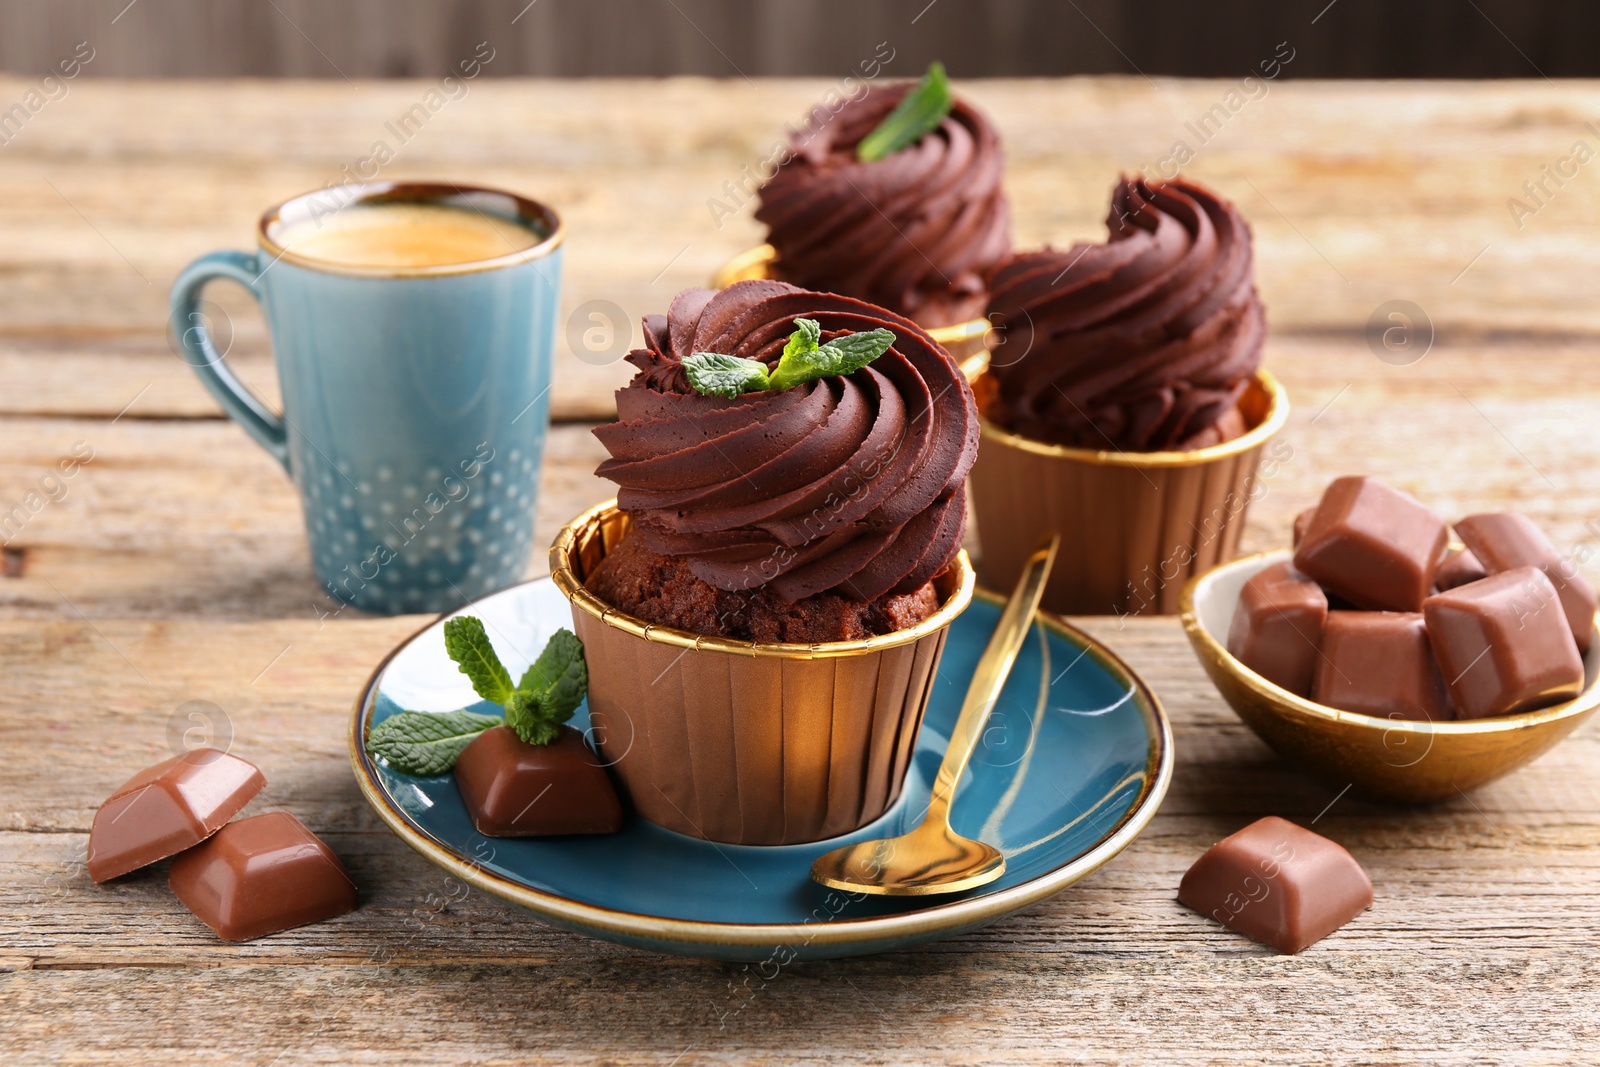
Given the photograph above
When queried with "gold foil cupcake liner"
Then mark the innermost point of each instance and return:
(746, 742)
(1135, 526)
(961, 340)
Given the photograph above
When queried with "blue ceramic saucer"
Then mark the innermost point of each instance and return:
(1073, 764)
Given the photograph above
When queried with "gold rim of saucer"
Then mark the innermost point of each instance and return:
(1217, 653)
(754, 264)
(539, 217)
(955, 586)
(1276, 416)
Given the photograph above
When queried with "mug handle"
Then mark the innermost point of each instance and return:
(243, 406)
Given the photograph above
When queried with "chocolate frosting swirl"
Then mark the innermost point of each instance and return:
(914, 232)
(1143, 343)
(849, 483)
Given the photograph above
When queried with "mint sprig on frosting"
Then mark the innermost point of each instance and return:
(805, 359)
(427, 743)
(917, 114)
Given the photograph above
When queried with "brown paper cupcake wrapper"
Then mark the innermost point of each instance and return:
(1134, 526)
(961, 339)
(742, 742)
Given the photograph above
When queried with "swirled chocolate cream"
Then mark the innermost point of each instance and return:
(1144, 343)
(792, 463)
(894, 199)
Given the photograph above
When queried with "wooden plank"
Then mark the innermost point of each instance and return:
(1489, 894)
(191, 519)
(172, 568)
(1359, 194)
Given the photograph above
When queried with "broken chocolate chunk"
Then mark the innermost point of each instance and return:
(1506, 540)
(514, 789)
(1278, 883)
(261, 875)
(1372, 545)
(1380, 663)
(1277, 627)
(1504, 645)
(1458, 567)
(167, 808)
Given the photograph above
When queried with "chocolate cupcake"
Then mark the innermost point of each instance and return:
(1125, 405)
(915, 231)
(764, 607)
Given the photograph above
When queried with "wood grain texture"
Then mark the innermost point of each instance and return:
(172, 569)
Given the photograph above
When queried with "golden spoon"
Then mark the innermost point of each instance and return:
(933, 858)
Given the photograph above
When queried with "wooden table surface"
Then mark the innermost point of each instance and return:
(172, 568)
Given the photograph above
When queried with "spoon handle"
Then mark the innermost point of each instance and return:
(994, 666)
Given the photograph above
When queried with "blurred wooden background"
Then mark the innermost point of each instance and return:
(751, 38)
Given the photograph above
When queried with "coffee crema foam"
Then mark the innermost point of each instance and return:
(407, 236)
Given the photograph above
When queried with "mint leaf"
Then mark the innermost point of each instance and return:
(469, 646)
(800, 367)
(807, 337)
(842, 355)
(426, 743)
(855, 350)
(918, 113)
(560, 671)
(536, 716)
(550, 691)
(717, 375)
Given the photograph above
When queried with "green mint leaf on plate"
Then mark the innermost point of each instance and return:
(426, 743)
(842, 355)
(468, 645)
(716, 375)
(559, 671)
(919, 112)
(536, 716)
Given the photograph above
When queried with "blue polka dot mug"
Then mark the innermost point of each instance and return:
(412, 325)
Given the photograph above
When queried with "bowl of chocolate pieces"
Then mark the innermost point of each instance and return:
(1384, 654)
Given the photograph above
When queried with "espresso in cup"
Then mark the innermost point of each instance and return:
(407, 235)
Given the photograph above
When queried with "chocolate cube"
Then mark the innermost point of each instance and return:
(1372, 545)
(261, 875)
(1458, 567)
(1380, 663)
(1278, 883)
(1504, 644)
(514, 789)
(1302, 523)
(167, 808)
(1277, 627)
(1506, 540)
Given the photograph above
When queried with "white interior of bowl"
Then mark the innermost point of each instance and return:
(1216, 595)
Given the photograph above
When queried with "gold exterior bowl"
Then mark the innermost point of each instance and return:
(1393, 760)
(961, 340)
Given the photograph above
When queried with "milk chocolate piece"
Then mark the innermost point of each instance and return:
(1278, 883)
(1373, 545)
(261, 875)
(1458, 567)
(1277, 626)
(167, 808)
(1302, 522)
(1380, 663)
(1504, 644)
(1505, 540)
(514, 789)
